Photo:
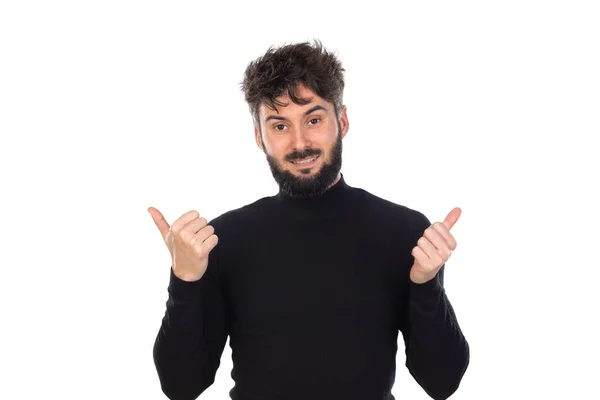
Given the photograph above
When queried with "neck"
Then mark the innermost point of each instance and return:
(337, 179)
(332, 202)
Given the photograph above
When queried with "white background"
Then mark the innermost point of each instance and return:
(107, 108)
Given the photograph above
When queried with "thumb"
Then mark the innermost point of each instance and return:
(160, 221)
(452, 217)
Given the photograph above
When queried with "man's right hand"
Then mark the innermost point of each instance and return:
(189, 241)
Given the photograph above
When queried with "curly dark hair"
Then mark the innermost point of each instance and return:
(281, 69)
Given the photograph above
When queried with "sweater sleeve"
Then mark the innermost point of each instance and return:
(188, 348)
(437, 353)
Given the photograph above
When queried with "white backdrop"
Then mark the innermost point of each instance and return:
(107, 108)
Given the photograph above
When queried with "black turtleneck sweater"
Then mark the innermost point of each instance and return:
(313, 293)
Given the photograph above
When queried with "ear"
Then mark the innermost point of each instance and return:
(258, 139)
(344, 124)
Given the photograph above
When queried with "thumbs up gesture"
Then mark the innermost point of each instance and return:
(434, 248)
(189, 240)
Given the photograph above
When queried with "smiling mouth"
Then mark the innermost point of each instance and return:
(307, 160)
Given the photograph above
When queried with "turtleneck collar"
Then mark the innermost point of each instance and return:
(328, 203)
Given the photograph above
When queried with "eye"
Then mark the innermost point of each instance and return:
(277, 127)
(315, 119)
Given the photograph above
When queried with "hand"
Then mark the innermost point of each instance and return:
(189, 240)
(434, 248)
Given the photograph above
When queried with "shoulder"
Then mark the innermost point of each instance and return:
(390, 212)
(234, 228)
(239, 218)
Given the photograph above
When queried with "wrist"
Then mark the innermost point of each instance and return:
(182, 289)
(426, 293)
(420, 279)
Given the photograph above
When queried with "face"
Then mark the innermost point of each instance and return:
(296, 132)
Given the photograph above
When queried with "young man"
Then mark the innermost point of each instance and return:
(314, 284)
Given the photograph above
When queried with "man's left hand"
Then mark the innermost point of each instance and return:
(434, 248)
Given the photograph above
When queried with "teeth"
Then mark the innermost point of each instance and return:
(305, 161)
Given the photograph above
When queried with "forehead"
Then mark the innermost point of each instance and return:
(292, 108)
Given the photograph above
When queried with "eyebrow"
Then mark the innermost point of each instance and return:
(311, 110)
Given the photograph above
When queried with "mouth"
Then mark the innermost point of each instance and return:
(306, 162)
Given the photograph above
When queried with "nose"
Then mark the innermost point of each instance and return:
(301, 138)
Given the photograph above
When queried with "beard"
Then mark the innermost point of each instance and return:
(309, 184)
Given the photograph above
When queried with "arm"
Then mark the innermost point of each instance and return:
(437, 353)
(192, 336)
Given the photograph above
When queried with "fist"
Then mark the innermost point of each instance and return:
(190, 240)
(434, 248)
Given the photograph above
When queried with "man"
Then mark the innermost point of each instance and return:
(312, 285)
